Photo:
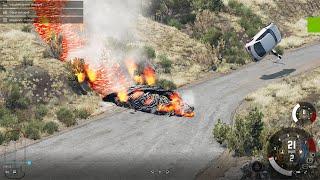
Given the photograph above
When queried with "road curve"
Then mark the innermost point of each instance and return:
(136, 145)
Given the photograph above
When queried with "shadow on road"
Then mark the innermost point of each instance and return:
(280, 74)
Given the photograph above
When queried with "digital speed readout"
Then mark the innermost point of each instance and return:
(292, 152)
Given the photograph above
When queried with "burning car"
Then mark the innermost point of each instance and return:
(144, 96)
(152, 99)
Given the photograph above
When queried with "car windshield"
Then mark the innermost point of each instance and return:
(259, 49)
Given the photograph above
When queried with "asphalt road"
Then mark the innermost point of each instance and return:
(136, 145)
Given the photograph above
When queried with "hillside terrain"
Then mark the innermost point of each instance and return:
(208, 37)
(35, 90)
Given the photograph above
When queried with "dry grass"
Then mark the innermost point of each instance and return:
(190, 57)
(45, 80)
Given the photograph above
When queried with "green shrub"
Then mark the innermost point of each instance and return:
(244, 137)
(16, 100)
(231, 39)
(280, 50)
(2, 138)
(234, 51)
(239, 8)
(149, 52)
(212, 36)
(50, 127)
(250, 21)
(12, 136)
(220, 131)
(215, 5)
(24, 115)
(188, 18)
(175, 23)
(252, 24)
(66, 116)
(7, 119)
(236, 56)
(165, 63)
(40, 112)
(166, 84)
(33, 130)
(82, 113)
(212, 5)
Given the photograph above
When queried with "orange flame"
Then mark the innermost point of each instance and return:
(92, 75)
(176, 106)
(123, 96)
(81, 77)
(149, 75)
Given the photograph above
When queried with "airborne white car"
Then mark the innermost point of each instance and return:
(264, 42)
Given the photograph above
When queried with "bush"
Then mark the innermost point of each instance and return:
(220, 131)
(11, 136)
(149, 52)
(50, 127)
(66, 116)
(33, 130)
(212, 5)
(81, 113)
(280, 50)
(40, 112)
(244, 137)
(15, 100)
(175, 23)
(166, 84)
(165, 63)
(236, 56)
(7, 119)
(188, 18)
(212, 36)
(234, 51)
(2, 138)
(250, 21)
(24, 115)
(251, 24)
(231, 39)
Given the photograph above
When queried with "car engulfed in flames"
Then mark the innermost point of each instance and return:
(152, 99)
(143, 96)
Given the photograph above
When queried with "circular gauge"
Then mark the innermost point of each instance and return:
(304, 113)
(292, 151)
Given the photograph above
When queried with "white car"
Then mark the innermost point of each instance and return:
(264, 42)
